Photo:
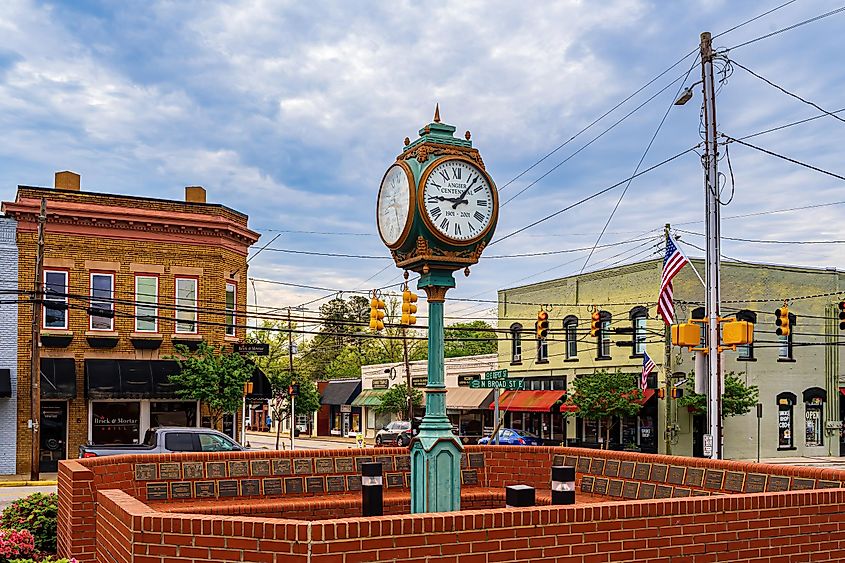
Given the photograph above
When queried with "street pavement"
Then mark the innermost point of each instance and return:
(10, 494)
(267, 441)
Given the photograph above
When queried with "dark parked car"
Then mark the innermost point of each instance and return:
(391, 432)
(513, 437)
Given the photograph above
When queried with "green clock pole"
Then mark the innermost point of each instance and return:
(435, 453)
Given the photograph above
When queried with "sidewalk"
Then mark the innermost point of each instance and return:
(22, 480)
(304, 437)
(814, 461)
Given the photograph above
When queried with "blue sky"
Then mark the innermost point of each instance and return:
(291, 112)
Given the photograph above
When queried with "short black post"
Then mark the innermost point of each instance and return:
(519, 495)
(563, 484)
(372, 487)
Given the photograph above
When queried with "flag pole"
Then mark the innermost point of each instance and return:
(691, 265)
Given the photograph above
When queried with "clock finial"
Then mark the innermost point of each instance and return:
(437, 113)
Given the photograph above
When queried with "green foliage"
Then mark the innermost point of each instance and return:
(47, 560)
(395, 400)
(306, 402)
(213, 376)
(604, 396)
(738, 398)
(478, 340)
(37, 514)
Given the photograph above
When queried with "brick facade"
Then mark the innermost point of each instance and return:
(8, 342)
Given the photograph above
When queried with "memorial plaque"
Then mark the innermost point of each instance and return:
(346, 465)
(303, 466)
(146, 471)
(272, 486)
(476, 460)
(629, 490)
(324, 465)
(658, 472)
(680, 492)
(587, 483)
(571, 461)
(777, 484)
(614, 489)
(204, 489)
(799, 484)
(239, 468)
(335, 484)
(734, 481)
(626, 469)
(823, 484)
(695, 477)
(584, 464)
(464, 463)
(156, 491)
(169, 471)
(559, 459)
(259, 467)
(361, 460)
(642, 472)
(281, 467)
(294, 485)
(407, 480)
(469, 477)
(180, 489)
(713, 479)
(251, 487)
(597, 466)
(315, 484)
(676, 475)
(611, 468)
(193, 470)
(215, 469)
(353, 482)
(663, 491)
(755, 483)
(600, 486)
(701, 493)
(386, 462)
(403, 462)
(227, 488)
(394, 480)
(646, 491)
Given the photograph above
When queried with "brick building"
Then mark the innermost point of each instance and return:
(8, 344)
(125, 279)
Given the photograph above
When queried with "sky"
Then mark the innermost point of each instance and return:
(291, 111)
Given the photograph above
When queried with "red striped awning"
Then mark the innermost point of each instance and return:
(647, 394)
(529, 401)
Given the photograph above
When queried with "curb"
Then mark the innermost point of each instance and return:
(28, 483)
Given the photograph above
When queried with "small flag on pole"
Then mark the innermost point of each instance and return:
(648, 367)
(672, 264)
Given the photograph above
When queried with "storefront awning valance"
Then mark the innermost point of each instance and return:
(647, 394)
(340, 392)
(58, 378)
(465, 398)
(369, 398)
(5, 383)
(529, 401)
(130, 379)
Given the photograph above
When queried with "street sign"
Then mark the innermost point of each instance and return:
(510, 384)
(708, 445)
(247, 348)
(496, 374)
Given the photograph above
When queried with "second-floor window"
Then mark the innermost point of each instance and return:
(186, 305)
(785, 342)
(102, 302)
(55, 299)
(516, 343)
(604, 335)
(570, 334)
(638, 317)
(746, 351)
(231, 291)
(542, 350)
(146, 307)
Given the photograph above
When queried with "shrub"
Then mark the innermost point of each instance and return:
(37, 514)
(47, 560)
(15, 543)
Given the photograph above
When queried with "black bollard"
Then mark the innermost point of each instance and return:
(372, 487)
(519, 496)
(563, 484)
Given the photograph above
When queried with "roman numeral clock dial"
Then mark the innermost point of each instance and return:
(458, 200)
(393, 211)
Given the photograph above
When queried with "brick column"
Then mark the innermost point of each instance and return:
(75, 529)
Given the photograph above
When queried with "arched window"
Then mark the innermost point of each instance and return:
(516, 343)
(785, 342)
(638, 316)
(570, 333)
(603, 337)
(542, 351)
(786, 402)
(746, 351)
(814, 400)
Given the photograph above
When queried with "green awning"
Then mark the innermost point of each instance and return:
(369, 398)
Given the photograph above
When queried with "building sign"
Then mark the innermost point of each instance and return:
(345, 408)
(419, 381)
(785, 427)
(115, 423)
(381, 383)
(248, 348)
(466, 380)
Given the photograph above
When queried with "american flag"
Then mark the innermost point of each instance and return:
(672, 264)
(648, 367)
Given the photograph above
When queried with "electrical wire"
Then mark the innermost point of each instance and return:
(788, 28)
(762, 241)
(786, 158)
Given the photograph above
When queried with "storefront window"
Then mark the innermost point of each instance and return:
(813, 416)
(785, 431)
(173, 413)
(115, 423)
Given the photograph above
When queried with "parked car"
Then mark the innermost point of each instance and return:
(167, 440)
(513, 437)
(390, 433)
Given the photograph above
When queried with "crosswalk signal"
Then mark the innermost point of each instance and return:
(677, 392)
(293, 389)
(408, 308)
(542, 325)
(376, 314)
(661, 393)
(782, 321)
(595, 324)
(842, 315)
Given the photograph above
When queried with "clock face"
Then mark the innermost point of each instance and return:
(458, 199)
(394, 204)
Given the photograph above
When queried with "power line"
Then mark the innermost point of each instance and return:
(792, 124)
(755, 18)
(786, 158)
(788, 28)
(762, 241)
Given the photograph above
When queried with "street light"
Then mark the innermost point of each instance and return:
(686, 94)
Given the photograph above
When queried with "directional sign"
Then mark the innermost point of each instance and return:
(508, 384)
(496, 374)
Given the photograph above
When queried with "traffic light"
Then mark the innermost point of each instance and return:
(686, 335)
(782, 321)
(408, 308)
(376, 314)
(542, 325)
(737, 333)
(842, 315)
(293, 389)
(595, 324)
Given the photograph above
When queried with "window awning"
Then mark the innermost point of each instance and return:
(647, 394)
(130, 379)
(842, 390)
(466, 398)
(340, 392)
(261, 389)
(369, 398)
(5, 383)
(58, 378)
(529, 401)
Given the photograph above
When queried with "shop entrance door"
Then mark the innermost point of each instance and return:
(53, 433)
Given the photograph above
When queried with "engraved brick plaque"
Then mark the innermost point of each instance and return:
(156, 491)
(469, 477)
(396, 480)
(273, 486)
(204, 489)
(663, 491)
(755, 483)
(614, 489)
(353, 482)
(227, 488)
(734, 481)
(282, 467)
(611, 468)
(251, 487)
(294, 485)
(587, 483)
(597, 466)
(626, 469)
(169, 470)
(695, 477)
(646, 491)
(658, 472)
(259, 467)
(193, 470)
(215, 469)
(361, 460)
(180, 489)
(777, 484)
(476, 460)
(464, 463)
(559, 459)
(823, 484)
(584, 464)
(324, 465)
(403, 462)
(303, 466)
(701, 493)
(600, 486)
(630, 489)
(676, 475)
(238, 468)
(335, 484)
(347, 464)
(713, 479)
(386, 462)
(571, 461)
(799, 484)
(680, 492)
(315, 484)
(146, 471)
(642, 471)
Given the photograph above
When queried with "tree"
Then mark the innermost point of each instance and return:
(395, 400)
(737, 400)
(212, 376)
(479, 339)
(603, 396)
(307, 401)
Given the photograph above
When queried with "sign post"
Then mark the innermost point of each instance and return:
(497, 379)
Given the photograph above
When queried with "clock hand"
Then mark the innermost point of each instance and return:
(460, 198)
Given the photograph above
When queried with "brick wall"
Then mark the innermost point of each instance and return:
(8, 342)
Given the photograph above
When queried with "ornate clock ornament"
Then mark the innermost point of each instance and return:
(394, 210)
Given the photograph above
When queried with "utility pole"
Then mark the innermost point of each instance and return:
(668, 431)
(713, 274)
(407, 375)
(35, 366)
(290, 368)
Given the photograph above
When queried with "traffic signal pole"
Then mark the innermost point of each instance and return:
(290, 367)
(668, 431)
